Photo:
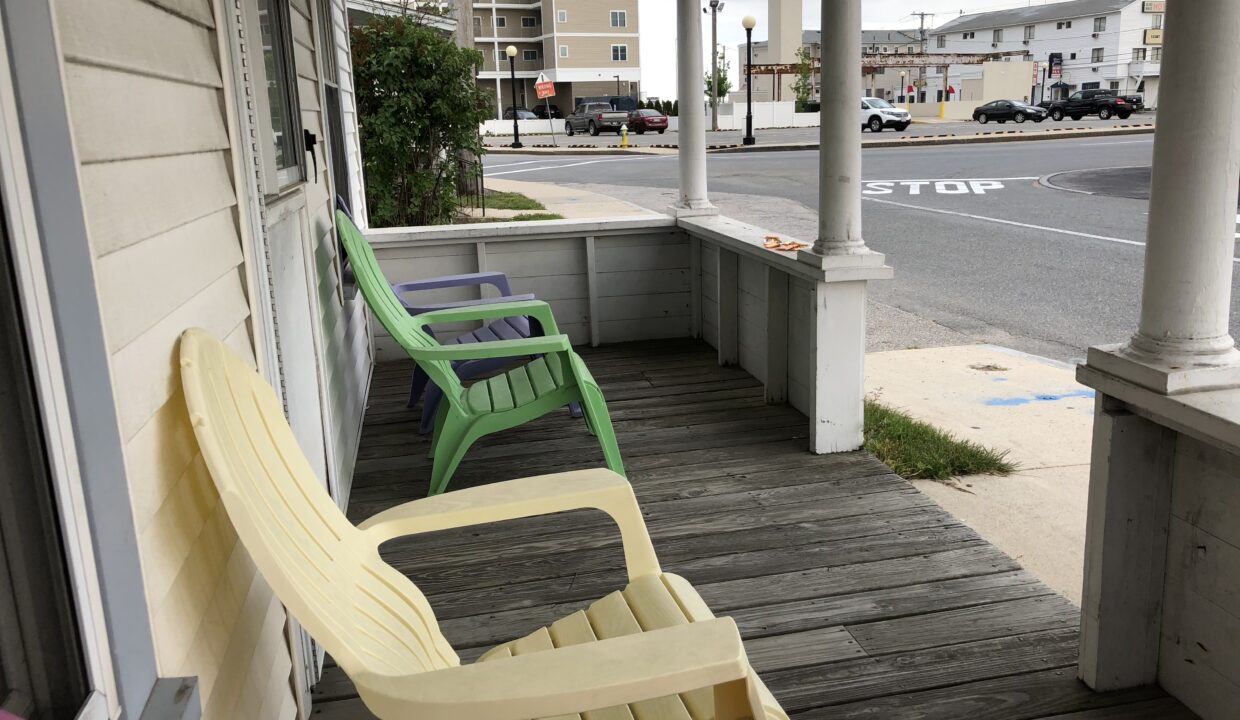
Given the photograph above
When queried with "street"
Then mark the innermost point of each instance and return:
(775, 136)
(980, 247)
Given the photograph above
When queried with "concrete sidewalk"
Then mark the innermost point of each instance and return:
(1029, 406)
(571, 202)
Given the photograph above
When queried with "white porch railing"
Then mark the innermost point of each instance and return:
(627, 279)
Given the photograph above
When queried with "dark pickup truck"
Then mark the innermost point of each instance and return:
(1103, 103)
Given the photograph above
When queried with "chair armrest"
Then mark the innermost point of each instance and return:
(498, 280)
(536, 309)
(570, 679)
(494, 349)
(421, 309)
(599, 488)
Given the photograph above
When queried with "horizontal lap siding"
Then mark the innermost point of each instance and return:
(145, 97)
(346, 350)
(348, 110)
(1200, 655)
(643, 290)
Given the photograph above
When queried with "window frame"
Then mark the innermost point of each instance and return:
(1100, 24)
(1031, 32)
(940, 42)
(525, 56)
(996, 35)
(623, 16)
(1139, 54)
(533, 21)
(563, 51)
(277, 180)
(561, 16)
(499, 22)
(624, 52)
(1097, 55)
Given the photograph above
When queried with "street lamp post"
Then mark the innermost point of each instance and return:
(617, 77)
(716, 7)
(749, 22)
(903, 87)
(511, 51)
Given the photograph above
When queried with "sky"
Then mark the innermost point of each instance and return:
(658, 28)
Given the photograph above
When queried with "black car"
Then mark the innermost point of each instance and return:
(1103, 103)
(540, 111)
(1003, 110)
(521, 113)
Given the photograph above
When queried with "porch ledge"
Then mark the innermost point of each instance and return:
(515, 231)
(747, 240)
(173, 699)
(1212, 416)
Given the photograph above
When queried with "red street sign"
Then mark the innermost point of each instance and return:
(545, 89)
(1035, 73)
(951, 89)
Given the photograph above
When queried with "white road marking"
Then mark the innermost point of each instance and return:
(1014, 223)
(951, 186)
(931, 180)
(579, 164)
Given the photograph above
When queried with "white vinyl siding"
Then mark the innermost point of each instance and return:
(162, 217)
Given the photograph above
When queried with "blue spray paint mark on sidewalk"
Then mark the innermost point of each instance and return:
(1018, 401)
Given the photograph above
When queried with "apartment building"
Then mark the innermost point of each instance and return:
(879, 82)
(1105, 44)
(588, 48)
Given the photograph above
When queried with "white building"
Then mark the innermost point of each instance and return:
(1109, 44)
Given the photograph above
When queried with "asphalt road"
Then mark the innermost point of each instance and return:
(810, 135)
(979, 246)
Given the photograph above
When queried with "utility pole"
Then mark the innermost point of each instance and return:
(716, 7)
(921, 34)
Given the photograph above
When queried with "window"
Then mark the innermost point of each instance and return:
(1100, 24)
(940, 41)
(1095, 55)
(1065, 25)
(501, 57)
(619, 53)
(1115, 85)
(1156, 54)
(529, 55)
(563, 51)
(997, 35)
(968, 35)
(619, 18)
(910, 50)
(1156, 22)
(561, 16)
(1138, 54)
(1029, 31)
(1089, 86)
(281, 156)
(528, 21)
(884, 48)
(1072, 56)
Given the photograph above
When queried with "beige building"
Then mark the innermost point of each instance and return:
(588, 48)
(878, 82)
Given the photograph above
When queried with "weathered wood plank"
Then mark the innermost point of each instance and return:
(812, 647)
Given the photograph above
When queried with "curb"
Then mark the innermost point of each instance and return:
(922, 140)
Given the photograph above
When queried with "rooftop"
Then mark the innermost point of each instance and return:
(1033, 14)
(858, 597)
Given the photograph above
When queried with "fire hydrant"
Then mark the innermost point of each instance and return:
(624, 136)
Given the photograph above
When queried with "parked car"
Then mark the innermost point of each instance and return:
(521, 113)
(595, 118)
(540, 111)
(1103, 103)
(642, 120)
(1003, 110)
(877, 114)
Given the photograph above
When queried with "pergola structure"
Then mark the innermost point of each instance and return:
(1163, 551)
(892, 60)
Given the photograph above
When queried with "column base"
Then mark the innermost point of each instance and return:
(1167, 377)
(704, 209)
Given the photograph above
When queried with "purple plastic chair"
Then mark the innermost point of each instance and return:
(513, 328)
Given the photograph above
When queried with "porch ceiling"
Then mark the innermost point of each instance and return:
(856, 595)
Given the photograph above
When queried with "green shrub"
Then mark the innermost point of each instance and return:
(419, 110)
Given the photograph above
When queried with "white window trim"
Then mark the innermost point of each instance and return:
(275, 181)
(626, 53)
(525, 55)
(563, 51)
(500, 21)
(561, 16)
(533, 21)
(624, 15)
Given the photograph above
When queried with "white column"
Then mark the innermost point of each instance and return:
(1186, 302)
(839, 174)
(691, 92)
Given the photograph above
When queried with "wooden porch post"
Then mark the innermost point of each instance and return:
(840, 251)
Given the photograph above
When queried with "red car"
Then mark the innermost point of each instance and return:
(642, 120)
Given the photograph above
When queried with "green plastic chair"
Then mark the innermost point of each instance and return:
(555, 377)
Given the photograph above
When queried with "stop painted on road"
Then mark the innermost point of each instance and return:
(927, 187)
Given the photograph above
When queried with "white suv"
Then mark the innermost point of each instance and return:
(877, 114)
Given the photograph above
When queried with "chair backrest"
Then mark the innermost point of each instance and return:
(327, 573)
(386, 306)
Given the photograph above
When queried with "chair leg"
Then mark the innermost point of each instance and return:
(574, 410)
(440, 417)
(600, 423)
(417, 385)
(430, 407)
(455, 439)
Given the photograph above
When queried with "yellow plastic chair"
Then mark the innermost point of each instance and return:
(651, 651)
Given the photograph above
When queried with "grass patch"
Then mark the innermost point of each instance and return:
(917, 450)
(523, 217)
(512, 201)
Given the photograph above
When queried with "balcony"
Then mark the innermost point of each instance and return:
(487, 33)
(1145, 68)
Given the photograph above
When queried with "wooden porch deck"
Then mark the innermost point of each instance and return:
(858, 597)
